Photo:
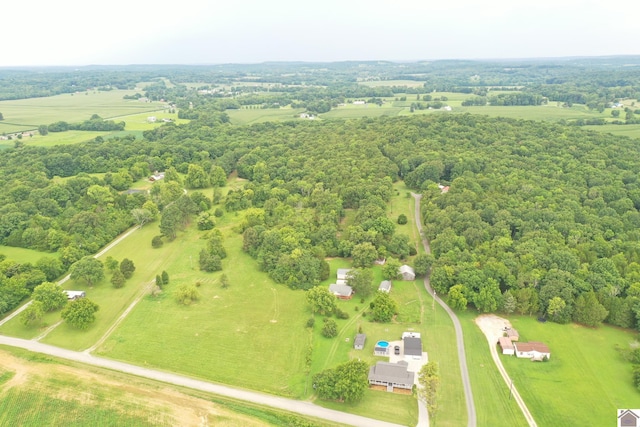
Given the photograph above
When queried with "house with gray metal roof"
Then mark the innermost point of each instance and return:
(391, 375)
(385, 286)
(407, 272)
(358, 343)
(412, 347)
(341, 291)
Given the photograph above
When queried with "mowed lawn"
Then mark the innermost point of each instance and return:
(585, 380)
(23, 255)
(30, 113)
(249, 335)
(490, 393)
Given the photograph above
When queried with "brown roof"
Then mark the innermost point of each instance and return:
(512, 333)
(505, 343)
(532, 346)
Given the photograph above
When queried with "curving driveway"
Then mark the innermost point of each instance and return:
(471, 409)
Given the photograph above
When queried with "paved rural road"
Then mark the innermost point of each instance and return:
(297, 406)
(471, 408)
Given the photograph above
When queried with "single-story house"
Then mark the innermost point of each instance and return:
(358, 343)
(156, 176)
(343, 273)
(532, 350)
(628, 418)
(506, 345)
(391, 375)
(72, 295)
(385, 286)
(341, 291)
(412, 347)
(512, 334)
(407, 272)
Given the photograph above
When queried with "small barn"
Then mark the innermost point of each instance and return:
(358, 343)
(512, 334)
(506, 345)
(407, 272)
(385, 286)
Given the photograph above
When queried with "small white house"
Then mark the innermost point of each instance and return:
(407, 272)
(73, 295)
(532, 350)
(343, 273)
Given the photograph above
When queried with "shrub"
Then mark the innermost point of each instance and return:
(310, 322)
(157, 242)
(402, 219)
(330, 328)
(186, 294)
(341, 314)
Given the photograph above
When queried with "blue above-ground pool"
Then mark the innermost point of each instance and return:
(383, 344)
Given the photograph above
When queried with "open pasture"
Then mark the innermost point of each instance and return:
(585, 380)
(37, 391)
(245, 116)
(382, 83)
(26, 114)
(23, 254)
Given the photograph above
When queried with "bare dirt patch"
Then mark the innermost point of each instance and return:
(492, 326)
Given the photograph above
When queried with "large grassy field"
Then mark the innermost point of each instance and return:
(25, 114)
(37, 390)
(23, 254)
(585, 380)
(245, 116)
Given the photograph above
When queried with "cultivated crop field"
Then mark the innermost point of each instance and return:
(585, 380)
(245, 116)
(28, 114)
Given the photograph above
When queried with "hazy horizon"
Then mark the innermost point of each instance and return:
(201, 32)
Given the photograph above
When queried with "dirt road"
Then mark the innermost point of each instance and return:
(466, 382)
(492, 325)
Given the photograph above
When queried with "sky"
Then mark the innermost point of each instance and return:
(74, 32)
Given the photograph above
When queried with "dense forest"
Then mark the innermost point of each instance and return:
(539, 218)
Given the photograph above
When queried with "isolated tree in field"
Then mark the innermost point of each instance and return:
(330, 328)
(345, 383)
(32, 314)
(111, 263)
(50, 295)
(165, 277)
(209, 262)
(170, 221)
(157, 242)
(429, 379)
(383, 307)
(361, 280)
(43, 130)
(118, 279)
(159, 281)
(186, 294)
(80, 313)
(422, 264)
(456, 299)
(321, 300)
(402, 219)
(1, 116)
(127, 268)
(88, 269)
(224, 281)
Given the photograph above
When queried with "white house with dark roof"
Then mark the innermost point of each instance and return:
(391, 375)
(407, 272)
(412, 347)
(343, 273)
(385, 286)
(532, 350)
